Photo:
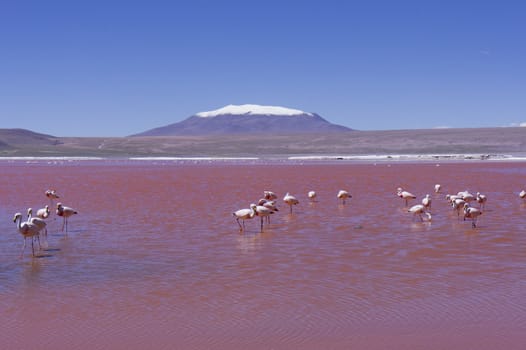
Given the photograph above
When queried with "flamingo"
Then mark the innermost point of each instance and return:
(466, 196)
(244, 214)
(437, 188)
(522, 194)
(426, 202)
(269, 195)
(419, 209)
(52, 194)
(312, 196)
(26, 229)
(270, 205)
(290, 200)
(43, 213)
(451, 197)
(481, 200)
(471, 213)
(405, 195)
(262, 211)
(40, 223)
(65, 212)
(457, 204)
(343, 195)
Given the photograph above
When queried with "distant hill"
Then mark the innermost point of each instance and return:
(248, 119)
(475, 143)
(23, 137)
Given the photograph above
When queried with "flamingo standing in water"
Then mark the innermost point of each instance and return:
(43, 213)
(51, 195)
(39, 222)
(419, 209)
(481, 200)
(466, 196)
(452, 197)
(262, 212)
(522, 194)
(426, 202)
(269, 195)
(26, 229)
(471, 213)
(290, 200)
(270, 204)
(343, 195)
(244, 214)
(457, 204)
(406, 196)
(65, 212)
(437, 188)
(312, 196)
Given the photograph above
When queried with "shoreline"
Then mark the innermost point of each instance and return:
(352, 157)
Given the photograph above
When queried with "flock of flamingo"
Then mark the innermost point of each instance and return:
(267, 206)
(463, 202)
(36, 226)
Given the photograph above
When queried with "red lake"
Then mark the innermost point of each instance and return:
(155, 259)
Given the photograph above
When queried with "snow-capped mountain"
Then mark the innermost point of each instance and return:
(248, 119)
(253, 110)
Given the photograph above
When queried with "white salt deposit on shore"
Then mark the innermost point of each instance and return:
(367, 157)
(413, 157)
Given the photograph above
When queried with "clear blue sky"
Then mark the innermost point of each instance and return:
(114, 68)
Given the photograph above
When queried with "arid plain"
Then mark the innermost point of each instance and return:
(509, 140)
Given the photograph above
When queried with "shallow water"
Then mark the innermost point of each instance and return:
(155, 259)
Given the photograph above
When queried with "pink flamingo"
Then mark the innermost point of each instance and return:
(65, 212)
(244, 214)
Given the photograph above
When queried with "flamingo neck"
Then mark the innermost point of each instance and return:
(19, 222)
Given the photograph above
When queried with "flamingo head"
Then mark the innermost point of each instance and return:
(17, 216)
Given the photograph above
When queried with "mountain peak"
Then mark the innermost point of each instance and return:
(248, 119)
(252, 109)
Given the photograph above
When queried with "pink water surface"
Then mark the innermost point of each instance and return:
(154, 259)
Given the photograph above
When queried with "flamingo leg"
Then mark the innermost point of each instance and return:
(23, 248)
(32, 245)
(262, 224)
(44, 234)
(240, 228)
